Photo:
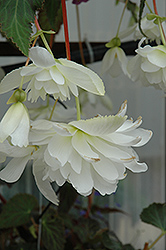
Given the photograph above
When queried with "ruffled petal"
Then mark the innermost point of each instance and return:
(99, 126)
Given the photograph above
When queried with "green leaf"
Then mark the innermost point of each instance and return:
(23, 246)
(155, 215)
(51, 20)
(16, 18)
(86, 229)
(67, 198)
(110, 241)
(17, 211)
(53, 234)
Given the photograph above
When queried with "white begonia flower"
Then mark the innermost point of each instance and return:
(149, 66)
(150, 29)
(92, 153)
(49, 76)
(16, 124)
(114, 62)
(20, 157)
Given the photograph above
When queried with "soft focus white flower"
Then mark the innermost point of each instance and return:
(92, 153)
(45, 75)
(88, 98)
(149, 66)
(150, 29)
(16, 124)
(60, 114)
(114, 62)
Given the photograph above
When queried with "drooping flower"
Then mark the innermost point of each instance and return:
(149, 66)
(150, 29)
(15, 124)
(92, 153)
(115, 62)
(49, 76)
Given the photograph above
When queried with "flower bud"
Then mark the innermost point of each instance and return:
(19, 95)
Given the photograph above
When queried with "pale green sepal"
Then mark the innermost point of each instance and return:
(115, 42)
(19, 95)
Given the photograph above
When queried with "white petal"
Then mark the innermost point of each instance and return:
(10, 81)
(41, 57)
(11, 120)
(82, 147)
(149, 67)
(51, 161)
(102, 185)
(14, 169)
(75, 161)
(106, 169)
(108, 60)
(19, 137)
(98, 126)
(82, 77)
(136, 167)
(123, 109)
(158, 57)
(144, 134)
(60, 148)
(44, 75)
(51, 87)
(82, 182)
(154, 77)
(57, 76)
(30, 70)
(110, 151)
(72, 87)
(44, 185)
(129, 125)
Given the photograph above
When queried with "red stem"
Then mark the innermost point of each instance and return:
(65, 23)
(37, 24)
(155, 7)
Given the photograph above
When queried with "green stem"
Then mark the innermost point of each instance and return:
(158, 238)
(46, 43)
(78, 108)
(21, 83)
(161, 32)
(148, 7)
(52, 111)
(120, 22)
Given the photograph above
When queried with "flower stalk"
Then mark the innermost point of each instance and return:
(157, 239)
(120, 22)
